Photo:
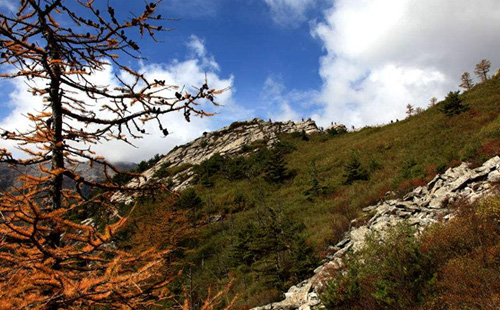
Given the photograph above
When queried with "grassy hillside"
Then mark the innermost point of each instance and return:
(267, 225)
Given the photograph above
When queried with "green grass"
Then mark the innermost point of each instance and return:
(397, 156)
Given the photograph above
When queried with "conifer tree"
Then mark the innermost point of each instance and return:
(47, 259)
(276, 171)
(453, 105)
(482, 70)
(354, 171)
(409, 110)
(433, 102)
(467, 82)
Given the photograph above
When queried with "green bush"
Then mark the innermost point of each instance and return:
(338, 130)
(411, 170)
(315, 189)
(393, 274)
(273, 244)
(189, 199)
(165, 171)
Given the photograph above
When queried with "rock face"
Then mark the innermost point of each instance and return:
(227, 141)
(423, 206)
(230, 139)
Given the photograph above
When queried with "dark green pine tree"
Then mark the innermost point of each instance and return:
(273, 246)
(275, 170)
(452, 104)
(189, 199)
(354, 171)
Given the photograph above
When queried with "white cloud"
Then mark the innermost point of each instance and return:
(283, 105)
(182, 73)
(289, 12)
(384, 54)
(272, 93)
(198, 51)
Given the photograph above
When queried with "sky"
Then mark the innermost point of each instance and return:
(356, 62)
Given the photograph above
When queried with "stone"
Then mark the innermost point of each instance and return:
(494, 177)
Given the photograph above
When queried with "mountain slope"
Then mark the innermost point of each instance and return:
(270, 234)
(420, 208)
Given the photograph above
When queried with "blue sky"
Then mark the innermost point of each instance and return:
(357, 62)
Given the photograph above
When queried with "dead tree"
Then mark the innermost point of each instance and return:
(482, 70)
(410, 110)
(433, 102)
(467, 82)
(47, 259)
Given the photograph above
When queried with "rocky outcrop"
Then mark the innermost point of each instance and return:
(423, 206)
(336, 128)
(228, 141)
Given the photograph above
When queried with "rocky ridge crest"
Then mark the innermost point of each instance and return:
(228, 141)
(421, 207)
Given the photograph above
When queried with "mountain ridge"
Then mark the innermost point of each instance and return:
(229, 141)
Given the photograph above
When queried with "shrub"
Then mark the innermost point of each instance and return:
(441, 168)
(315, 189)
(189, 199)
(393, 274)
(165, 171)
(336, 130)
(273, 244)
(411, 170)
(453, 265)
(466, 253)
(203, 143)
(245, 148)
(207, 169)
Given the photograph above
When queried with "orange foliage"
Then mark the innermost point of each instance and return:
(49, 259)
(466, 252)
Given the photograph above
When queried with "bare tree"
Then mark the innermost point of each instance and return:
(467, 82)
(433, 102)
(410, 110)
(482, 70)
(47, 259)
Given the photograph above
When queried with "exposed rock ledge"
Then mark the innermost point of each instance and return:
(424, 206)
(227, 141)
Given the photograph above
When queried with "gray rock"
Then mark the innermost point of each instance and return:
(494, 177)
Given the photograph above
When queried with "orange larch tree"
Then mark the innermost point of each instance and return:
(49, 260)
(467, 82)
(482, 69)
